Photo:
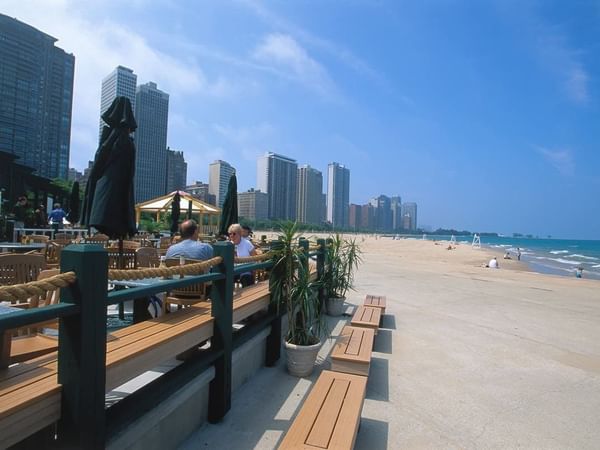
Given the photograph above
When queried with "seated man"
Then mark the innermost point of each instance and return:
(243, 247)
(493, 264)
(190, 247)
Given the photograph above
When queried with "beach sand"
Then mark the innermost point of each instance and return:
(468, 357)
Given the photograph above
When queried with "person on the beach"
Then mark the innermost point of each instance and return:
(190, 247)
(579, 272)
(518, 254)
(493, 264)
(507, 255)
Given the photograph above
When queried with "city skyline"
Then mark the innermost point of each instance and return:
(484, 114)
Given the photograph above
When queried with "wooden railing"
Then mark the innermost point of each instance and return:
(84, 422)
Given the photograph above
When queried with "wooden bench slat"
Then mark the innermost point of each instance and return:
(27, 347)
(367, 316)
(345, 357)
(311, 428)
(377, 301)
(324, 425)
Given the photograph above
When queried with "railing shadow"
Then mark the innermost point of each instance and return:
(383, 342)
(372, 435)
(378, 384)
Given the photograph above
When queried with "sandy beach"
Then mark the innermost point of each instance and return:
(468, 357)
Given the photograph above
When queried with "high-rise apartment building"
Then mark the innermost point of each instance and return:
(277, 175)
(219, 173)
(409, 216)
(200, 191)
(176, 178)
(396, 207)
(253, 205)
(338, 194)
(309, 192)
(121, 82)
(36, 97)
(152, 116)
(383, 213)
(354, 216)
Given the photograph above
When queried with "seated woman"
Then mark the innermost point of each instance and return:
(243, 248)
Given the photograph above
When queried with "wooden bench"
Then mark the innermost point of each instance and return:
(352, 351)
(376, 301)
(367, 317)
(29, 399)
(330, 415)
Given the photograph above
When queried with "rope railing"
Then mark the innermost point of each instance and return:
(25, 291)
(249, 259)
(154, 272)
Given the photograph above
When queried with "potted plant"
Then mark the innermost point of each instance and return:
(293, 289)
(343, 257)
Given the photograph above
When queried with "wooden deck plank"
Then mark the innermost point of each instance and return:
(325, 421)
(376, 301)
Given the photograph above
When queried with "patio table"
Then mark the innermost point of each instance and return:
(19, 247)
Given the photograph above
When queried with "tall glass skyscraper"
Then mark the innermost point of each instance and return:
(121, 82)
(219, 173)
(36, 98)
(310, 193)
(277, 176)
(338, 194)
(152, 116)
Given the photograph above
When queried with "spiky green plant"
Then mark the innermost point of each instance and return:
(293, 289)
(342, 259)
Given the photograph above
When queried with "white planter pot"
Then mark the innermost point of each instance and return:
(301, 358)
(335, 306)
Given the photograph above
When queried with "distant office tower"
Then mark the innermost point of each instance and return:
(310, 193)
(152, 116)
(253, 205)
(200, 191)
(354, 214)
(383, 213)
(36, 97)
(74, 175)
(277, 176)
(121, 82)
(396, 206)
(219, 173)
(338, 194)
(176, 178)
(409, 216)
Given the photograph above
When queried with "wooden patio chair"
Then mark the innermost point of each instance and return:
(53, 251)
(97, 238)
(18, 269)
(147, 257)
(36, 238)
(185, 296)
(129, 260)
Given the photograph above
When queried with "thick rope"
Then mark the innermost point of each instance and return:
(187, 269)
(34, 288)
(249, 259)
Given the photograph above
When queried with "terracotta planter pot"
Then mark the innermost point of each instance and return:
(335, 306)
(301, 358)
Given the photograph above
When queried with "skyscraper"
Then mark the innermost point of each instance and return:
(36, 85)
(152, 116)
(409, 216)
(383, 213)
(121, 82)
(219, 173)
(310, 191)
(200, 191)
(277, 176)
(396, 206)
(338, 194)
(176, 178)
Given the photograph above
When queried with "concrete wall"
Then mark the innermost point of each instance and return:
(170, 424)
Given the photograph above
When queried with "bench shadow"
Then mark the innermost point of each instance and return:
(372, 435)
(388, 321)
(378, 384)
(383, 342)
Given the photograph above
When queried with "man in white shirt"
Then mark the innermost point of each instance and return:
(493, 264)
(243, 247)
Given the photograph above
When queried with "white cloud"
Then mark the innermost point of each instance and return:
(561, 160)
(283, 52)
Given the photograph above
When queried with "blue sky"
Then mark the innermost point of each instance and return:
(485, 113)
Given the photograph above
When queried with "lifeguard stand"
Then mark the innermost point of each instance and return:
(476, 241)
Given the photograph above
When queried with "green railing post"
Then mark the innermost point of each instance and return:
(82, 349)
(321, 269)
(273, 350)
(222, 310)
(303, 243)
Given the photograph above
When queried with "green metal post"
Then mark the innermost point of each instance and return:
(82, 349)
(222, 310)
(321, 269)
(273, 344)
(303, 243)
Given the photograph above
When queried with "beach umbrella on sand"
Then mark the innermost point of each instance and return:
(175, 212)
(111, 205)
(74, 203)
(229, 212)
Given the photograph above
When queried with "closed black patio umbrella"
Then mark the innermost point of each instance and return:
(175, 212)
(109, 202)
(74, 204)
(229, 213)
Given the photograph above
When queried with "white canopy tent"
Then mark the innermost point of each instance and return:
(162, 205)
